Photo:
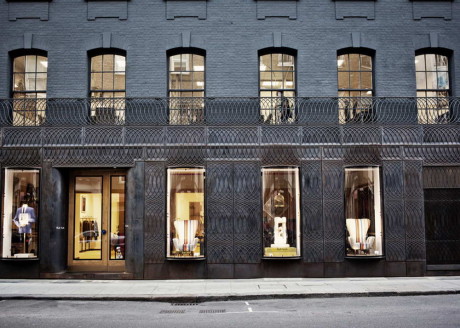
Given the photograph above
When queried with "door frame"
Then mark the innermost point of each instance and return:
(105, 264)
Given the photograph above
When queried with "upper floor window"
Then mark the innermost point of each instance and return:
(277, 87)
(433, 88)
(186, 90)
(355, 87)
(108, 87)
(29, 89)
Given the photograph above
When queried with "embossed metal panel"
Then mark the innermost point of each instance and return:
(155, 215)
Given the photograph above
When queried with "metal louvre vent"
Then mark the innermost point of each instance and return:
(172, 311)
(212, 311)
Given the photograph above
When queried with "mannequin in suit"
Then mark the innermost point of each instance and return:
(25, 215)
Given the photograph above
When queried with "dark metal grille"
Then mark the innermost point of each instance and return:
(225, 111)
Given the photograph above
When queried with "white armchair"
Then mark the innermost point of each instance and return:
(186, 232)
(358, 239)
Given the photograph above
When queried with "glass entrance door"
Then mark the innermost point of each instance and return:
(97, 221)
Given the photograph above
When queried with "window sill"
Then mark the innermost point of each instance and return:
(185, 259)
(365, 257)
(275, 258)
(19, 259)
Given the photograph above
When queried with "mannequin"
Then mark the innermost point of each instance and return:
(23, 219)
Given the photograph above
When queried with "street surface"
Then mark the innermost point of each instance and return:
(403, 311)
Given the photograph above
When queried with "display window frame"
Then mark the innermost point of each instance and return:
(382, 217)
(2, 208)
(298, 213)
(111, 212)
(168, 239)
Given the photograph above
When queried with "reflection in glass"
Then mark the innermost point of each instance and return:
(277, 88)
(108, 88)
(20, 213)
(185, 227)
(355, 87)
(363, 212)
(88, 218)
(29, 84)
(281, 212)
(186, 88)
(117, 217)
(433, 88)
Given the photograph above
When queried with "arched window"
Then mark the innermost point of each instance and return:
(355, 86)
(277, 86)
(108, 87)
(29, 88)
(186, 87)
(433, 88)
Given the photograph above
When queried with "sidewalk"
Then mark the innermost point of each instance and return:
(219, 290)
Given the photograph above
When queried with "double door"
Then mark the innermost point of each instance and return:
(97, 221)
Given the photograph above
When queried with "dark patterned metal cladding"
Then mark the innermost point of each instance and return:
(220, 218)
(413, 210)
(232, 141)
(334, 227)
(393, 210)
(312, 211)
(155, 212)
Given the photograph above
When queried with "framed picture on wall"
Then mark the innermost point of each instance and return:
(83, 203)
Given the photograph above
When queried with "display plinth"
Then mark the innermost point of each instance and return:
(24, 255)
(280, 251)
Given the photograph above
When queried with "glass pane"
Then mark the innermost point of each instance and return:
(354, 80)
(354, 62)
(342, 63)
(366, 80)
(117, 218)
(281, 211)
(96, 81)
(119, 81)
(289, 80)
(19, 82)
(421, 80)
(19, 64)
(443, 80)
(107, 81)
(366, 63)
(41, 81)
(198, 80)
(88, 218)
(174, 81)
(344, 82)
(277, 62)
(187, 62)
(31, 62)
(277, 80)
(20, 213)
(108, 63)
(186, 81)
(265, 63)
(442, 63)
(175, 63)
(265, 80)
(42, 64)
(431, 81)
(430, 62)
(363, 212)
(186, 216)
(120, 63)
(420, 63)
(30, 81)
(198, 63)
(288, 62)
(96, 64)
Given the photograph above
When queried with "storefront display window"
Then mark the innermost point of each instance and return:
(281, 212)
(363, 213)
(20, 213)
(185, 215)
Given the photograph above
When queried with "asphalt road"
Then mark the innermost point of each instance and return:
(414, 311)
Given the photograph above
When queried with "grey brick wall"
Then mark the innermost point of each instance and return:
(231, 34)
